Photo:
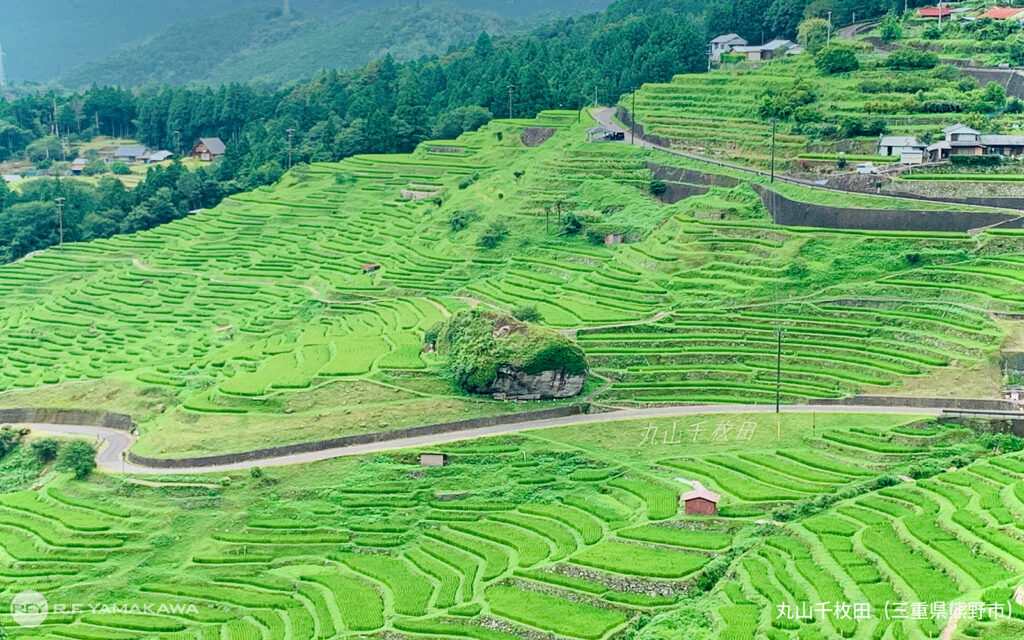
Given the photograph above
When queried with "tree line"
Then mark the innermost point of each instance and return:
(383, 107)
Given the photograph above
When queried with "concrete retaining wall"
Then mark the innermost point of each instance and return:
(67, 416)
(346, 441)
(804, 214)
(946, 403)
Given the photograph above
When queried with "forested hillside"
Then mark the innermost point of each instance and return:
(44, 38)
(258, 44)
(383, 107)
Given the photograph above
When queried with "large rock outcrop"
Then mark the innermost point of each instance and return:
(553, 383)
(486, 352)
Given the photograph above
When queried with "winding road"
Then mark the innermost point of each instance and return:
(114, 444)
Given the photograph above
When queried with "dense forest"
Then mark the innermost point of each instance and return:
(385, 106)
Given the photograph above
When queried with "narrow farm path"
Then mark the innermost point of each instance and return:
(114, 444)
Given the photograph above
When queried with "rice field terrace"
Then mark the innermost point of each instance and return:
(575, 532)
(297, 311)
(717, 114)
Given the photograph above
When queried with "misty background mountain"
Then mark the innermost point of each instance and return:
(128, 43)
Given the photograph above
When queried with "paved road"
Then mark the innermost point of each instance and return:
(114, 443)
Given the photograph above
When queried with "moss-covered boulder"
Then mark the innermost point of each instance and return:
(486, 352)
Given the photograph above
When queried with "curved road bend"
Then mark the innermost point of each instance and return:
(114, 443)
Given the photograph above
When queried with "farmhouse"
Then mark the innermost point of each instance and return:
(701, 501)
(767, 51)
(934, 12)
(157, 156)
(724, 44)
(898, 145)
(1004, 13)
(207, 149)
(962, 140)
(129, 153)
(78, 165)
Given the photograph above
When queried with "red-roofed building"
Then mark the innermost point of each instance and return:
(1004, 13)
(701, 501)
(934, 12)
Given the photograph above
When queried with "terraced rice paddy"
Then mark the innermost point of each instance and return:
(716, 114)
(529, 535)
(298, 311)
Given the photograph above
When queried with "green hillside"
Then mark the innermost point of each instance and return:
(254, 323)
(47, 38)
(727, 113)
(573, 531)
(257, 44)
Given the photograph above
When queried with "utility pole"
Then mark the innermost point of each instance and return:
(511, 88)
(291, 132)
(286, 11)
(774, 125)
(59, 201)
(632, 120)
(595, 95)
(828, 38)
(3, 74)
(778, 370)
(177, 141)
(940, 14)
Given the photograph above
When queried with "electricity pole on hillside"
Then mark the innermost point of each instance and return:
(59, 201)
(774, 124)
(828, 38)
(290, 132)
(778, 369)
(177, 141)
(632, 120)
(511, 88)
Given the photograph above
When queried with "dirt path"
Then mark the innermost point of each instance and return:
(954, 620)
(115, 444)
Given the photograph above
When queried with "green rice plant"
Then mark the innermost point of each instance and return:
(632, 559)
(760, 579)
(551, 613)
(557, 534)
(692, 538)
(447, 578)
(980, 567)
(587, 526)
(411, 590)
(561, 580)
(929, 583)
(529, 547)
(435, 627)
(495, 557)
(662, 502)
(869, 443)
(362, 608)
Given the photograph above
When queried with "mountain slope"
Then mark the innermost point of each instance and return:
(258, 44)
(45, 38)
